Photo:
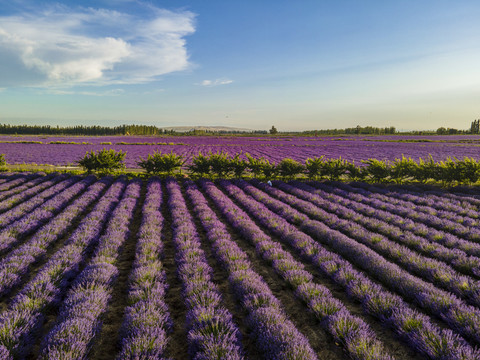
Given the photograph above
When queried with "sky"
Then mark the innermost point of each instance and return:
(296, 65)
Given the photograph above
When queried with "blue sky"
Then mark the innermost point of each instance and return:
(309, 64)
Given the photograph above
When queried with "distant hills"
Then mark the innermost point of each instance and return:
(206, 128)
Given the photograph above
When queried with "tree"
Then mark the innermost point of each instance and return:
(475, 127)
(441, 131)
(273, 130)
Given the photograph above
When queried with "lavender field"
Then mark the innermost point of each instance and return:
(48, 150)
(112, 268)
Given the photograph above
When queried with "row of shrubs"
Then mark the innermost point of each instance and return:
(223, 165)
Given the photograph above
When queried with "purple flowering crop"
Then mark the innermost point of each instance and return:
(292, 271)
(50, 282)
(210, 325)
(147, 321)
(353, 148)
(389, 274)
(405, 258)
(79, 317)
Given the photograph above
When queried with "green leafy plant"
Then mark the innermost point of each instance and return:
(238, 166)
(200, 165)
(354, 172)
(378, 170)
(254, 164)
(427, 169)
(314, 167)
(448, 172)
(403, 168)
(268, 169)
(289, 168)
(334, 169)
(158, 163)
(468, 170)
(3, 162)
(104, 161)
(261, 167)
(219, 164)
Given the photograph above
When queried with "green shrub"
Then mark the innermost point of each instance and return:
(427, 169)
(105, 161)
(447, 171)
(254, 164)
(314, 167)
(3, 162)
(261, 167)
(289, 168)
(334, 169)
(200, 165)
(269, 170)
(468, 170)
(378, 170)
(403, 168)
(354, 172)
(238, 166)
(157, 163)
(219, 164)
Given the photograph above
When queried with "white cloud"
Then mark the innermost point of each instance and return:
(114, 92)
(215, 82)
(65, 47)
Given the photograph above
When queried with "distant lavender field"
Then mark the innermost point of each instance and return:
(299, 148)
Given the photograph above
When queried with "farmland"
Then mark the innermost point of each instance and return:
(61, 151)
(117, 268)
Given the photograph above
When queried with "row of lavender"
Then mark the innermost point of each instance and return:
(405, 266)
(273, 149)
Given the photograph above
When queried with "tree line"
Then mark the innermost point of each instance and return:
(358, 130)
(391, 130)
(97, 130)
(94, 130)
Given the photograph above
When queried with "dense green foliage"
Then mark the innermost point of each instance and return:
(96, 130)
(448, 172)
(80, 130)
(357, 130)
(332, 169)
(3, 162)
(475, 127)
(451, 171)
(158, 163)
(103, 161)
(289, 168)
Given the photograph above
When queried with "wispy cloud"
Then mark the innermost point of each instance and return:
(62, 46)
(114, 92)
(215, 82)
